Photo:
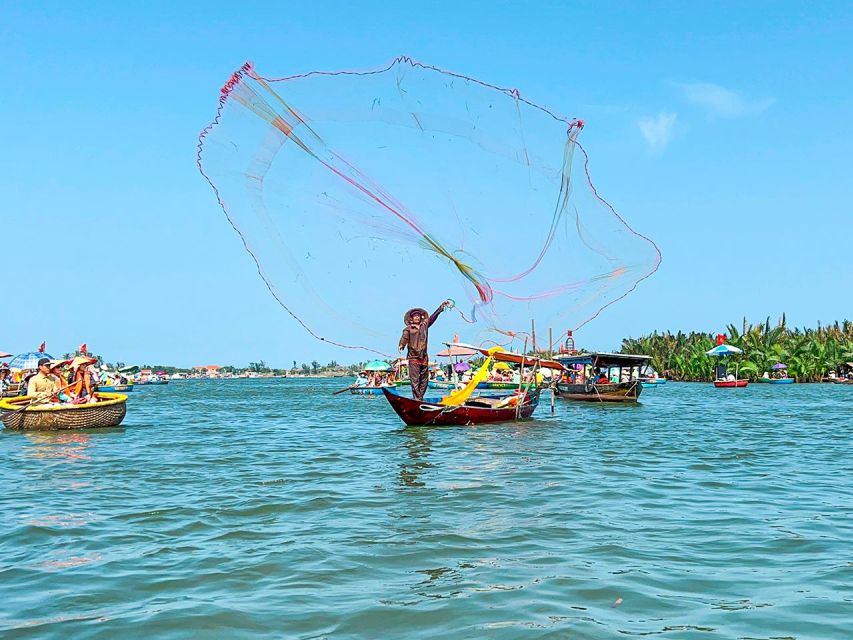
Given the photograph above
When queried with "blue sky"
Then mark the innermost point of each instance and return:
(721, 131)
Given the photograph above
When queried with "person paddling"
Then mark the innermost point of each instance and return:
(415, 337)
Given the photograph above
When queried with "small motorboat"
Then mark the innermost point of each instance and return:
(579, 384)
(730, 384)
(368, 391)
(114, 388)
(440, 384)
(476, 410)
(652, 382)
(600, 392)
(109, 411)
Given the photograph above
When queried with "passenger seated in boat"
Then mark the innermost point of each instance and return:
(730, 377)
(42, 385)
(600, 377)
(766, 375)
(5, 378)
(81, 378)
(64, 394)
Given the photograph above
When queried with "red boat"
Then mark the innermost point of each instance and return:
(475, 411)
(730, 384)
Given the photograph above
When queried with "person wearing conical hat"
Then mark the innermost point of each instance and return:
(415, 337)
(5, 378)
(81, 377)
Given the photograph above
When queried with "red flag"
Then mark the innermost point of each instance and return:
(83, 348)
(42, 347)
(721, 338)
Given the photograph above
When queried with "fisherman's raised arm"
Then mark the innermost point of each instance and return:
(437, 312)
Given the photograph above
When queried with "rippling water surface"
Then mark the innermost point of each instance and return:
(270, 508)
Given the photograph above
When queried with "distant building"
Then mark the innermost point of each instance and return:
(208, 370)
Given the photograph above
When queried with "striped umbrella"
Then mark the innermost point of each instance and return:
(28, 360)
(723, 350)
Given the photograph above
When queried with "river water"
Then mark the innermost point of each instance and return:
(270, 508)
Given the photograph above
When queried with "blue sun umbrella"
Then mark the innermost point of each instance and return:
(377, 365)
(28, 360)
(780, 365)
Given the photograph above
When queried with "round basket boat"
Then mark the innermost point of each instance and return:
(108, 412)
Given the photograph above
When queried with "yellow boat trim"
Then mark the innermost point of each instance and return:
(107, 399)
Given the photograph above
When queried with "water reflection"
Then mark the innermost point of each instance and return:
(69, 447)
(439, 583)
(418, 447)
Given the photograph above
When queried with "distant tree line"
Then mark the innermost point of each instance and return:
(810, 354)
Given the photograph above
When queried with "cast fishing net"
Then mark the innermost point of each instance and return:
(359, 194)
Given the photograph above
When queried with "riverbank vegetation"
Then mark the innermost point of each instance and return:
(809, 353)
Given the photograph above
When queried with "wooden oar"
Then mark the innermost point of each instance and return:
(41, 396)
(352, 386)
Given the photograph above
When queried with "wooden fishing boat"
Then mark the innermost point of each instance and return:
(602, 392)
(578, 383)
(782, 381)
(108, 412)
(114, 388)
(730, 384)
(474, 411)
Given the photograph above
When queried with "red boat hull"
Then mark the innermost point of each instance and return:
(417, 412)
(730, 384)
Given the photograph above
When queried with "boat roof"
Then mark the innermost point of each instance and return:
(517, 358)
(604, 358)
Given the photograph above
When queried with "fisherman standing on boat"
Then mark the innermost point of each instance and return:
(42, 385)
(415, 337)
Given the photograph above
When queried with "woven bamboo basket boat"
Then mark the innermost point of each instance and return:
(108, 412)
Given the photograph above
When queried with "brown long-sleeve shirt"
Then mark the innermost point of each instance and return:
(416, 336)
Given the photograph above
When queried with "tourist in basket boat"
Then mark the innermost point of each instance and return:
(82, 380)
(64, 394)
(415, 337)
(43, 384)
